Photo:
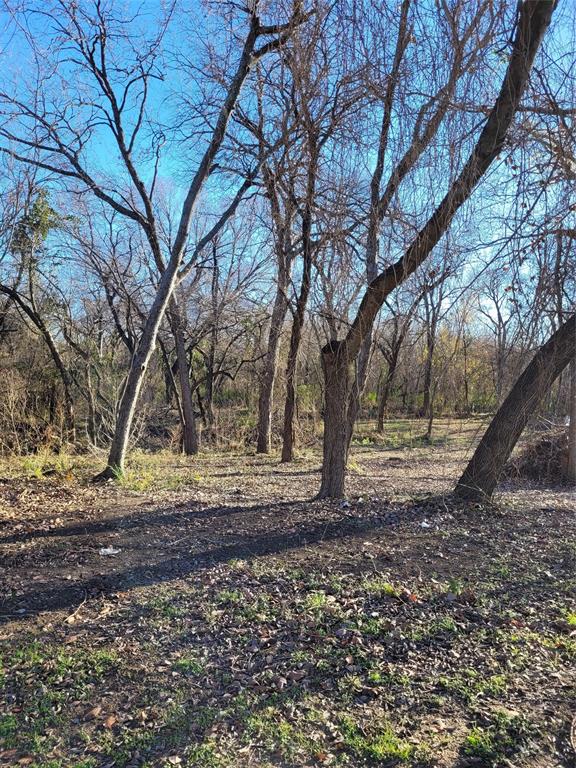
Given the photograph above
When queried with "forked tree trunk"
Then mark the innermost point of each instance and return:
(189, 431)
(337, 386)
(486, 465)
(533, 19)
(265, 400)
(170, 277)
(571, 469)
(288, 437)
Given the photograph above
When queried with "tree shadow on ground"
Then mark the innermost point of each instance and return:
(50, 596)
(134, 520)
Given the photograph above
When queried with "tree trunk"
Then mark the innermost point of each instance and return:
(136, 374)
(288, 433)
(485, 467)
(91, 400)
(288, 437)
(211, 356)
(428, 378)
(430, 422)
(297, 325)
(466, 385)
(385, 394)
(571, 468)
(65, 378)
(169, 277)
(265, 400)
(337, 386)
(189, 431)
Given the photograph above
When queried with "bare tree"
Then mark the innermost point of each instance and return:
(338, 356)
(40, 132)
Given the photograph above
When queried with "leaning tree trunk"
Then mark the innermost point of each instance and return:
(169, 277)
(485, 467)
(137, 373)
(66, 379)
(30, 311)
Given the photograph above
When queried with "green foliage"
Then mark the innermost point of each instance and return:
(316, 600)
(189, 665)
(203, 756)
(34, 226)
(382, 745)
(502, 737)
(378, 586)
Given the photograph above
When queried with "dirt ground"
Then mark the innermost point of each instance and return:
(207, 613)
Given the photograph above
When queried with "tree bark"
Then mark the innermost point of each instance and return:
(337, 384)
(358, 386)
(136, 374)
(533, 19)
(288, 436)
(302, 301)
(485, 467)
(190, 443)
(265, 400)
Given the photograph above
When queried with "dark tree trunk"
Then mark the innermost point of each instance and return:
(430, 422)
(337, 385)
(288, 432)
(485, 467)
(189, 432)
(288, 437)
(91, 400)
(211, 357)
(427, 386)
